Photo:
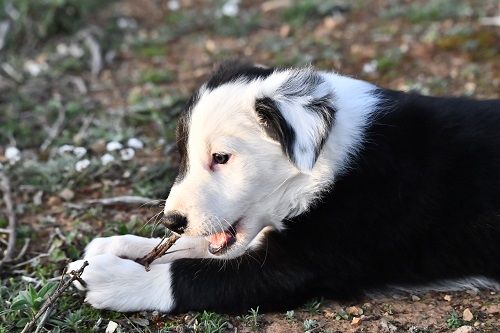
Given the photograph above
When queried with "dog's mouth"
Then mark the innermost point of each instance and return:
(220, 242)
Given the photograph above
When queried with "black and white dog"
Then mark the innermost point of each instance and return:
(297, 183)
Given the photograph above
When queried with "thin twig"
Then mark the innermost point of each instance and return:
(7, 198)
(158, 251)
(41, 255)
(44, 319)
(114, 201)
(55, 129)
(23, 249)
(95, 52)
(75, 275)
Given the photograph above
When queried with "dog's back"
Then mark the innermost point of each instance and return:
(420, 202)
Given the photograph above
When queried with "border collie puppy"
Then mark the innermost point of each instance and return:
(296, 183)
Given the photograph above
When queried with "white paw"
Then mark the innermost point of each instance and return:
(126, 246)
(124, 285)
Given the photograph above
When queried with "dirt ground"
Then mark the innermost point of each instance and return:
(122, 70)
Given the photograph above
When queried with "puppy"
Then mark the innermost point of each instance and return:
(298, 183)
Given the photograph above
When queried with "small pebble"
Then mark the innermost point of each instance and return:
(98, 147)
(112, 326)
(467, 315)
(447, 298)
(66, 194)
(356, 321)
(464, 329)
(354, 311)
(415, 298)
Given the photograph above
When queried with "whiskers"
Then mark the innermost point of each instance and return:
(156, 219)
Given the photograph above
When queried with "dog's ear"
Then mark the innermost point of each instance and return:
(298, 113)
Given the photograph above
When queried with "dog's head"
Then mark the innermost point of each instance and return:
(249, 141)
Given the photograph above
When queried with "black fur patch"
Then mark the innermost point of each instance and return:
(323, 107)
(231, 71)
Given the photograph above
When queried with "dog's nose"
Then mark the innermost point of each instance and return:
(175, 222)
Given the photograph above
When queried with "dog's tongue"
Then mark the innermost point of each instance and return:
(219, 241)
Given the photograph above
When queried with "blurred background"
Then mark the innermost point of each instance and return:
(90, 92)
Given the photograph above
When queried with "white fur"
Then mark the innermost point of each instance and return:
(124, 285)
(133, 247)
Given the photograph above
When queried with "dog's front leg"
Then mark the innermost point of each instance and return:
(254, 280)
(123, 285)
(132, 247)
(232, 286)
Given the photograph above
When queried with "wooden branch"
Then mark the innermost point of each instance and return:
(75, 275)
(158, 251)
(55, 129)
(11, 216)
(96, 62)
(128, 200)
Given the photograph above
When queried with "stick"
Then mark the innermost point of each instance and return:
(95, 52)
(114, 201)
(55, 129)
(75, 275)
(7, 198)
(158, 251)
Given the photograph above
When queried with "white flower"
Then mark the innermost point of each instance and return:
(79, 151)
(135, 143)
(12, 154)
(65, 149)
(370, 67)
(113, 145)
(75, 51)
(127, 154)
(62, 49)
(231, 8)
(35, 68)
(173, 5)
(81, 165)
(107, 158)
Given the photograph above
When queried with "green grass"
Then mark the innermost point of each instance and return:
(309, 324)
(432, 10)
(156, 76)
(252, 319)
(303, 11)
(454, 320)
(39, 20)
(313, 306)
(211, 322)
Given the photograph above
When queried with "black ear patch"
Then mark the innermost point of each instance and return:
(299, 115)
(233, 70)
(275, 125)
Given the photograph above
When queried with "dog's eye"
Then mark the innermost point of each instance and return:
(220, 158)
